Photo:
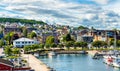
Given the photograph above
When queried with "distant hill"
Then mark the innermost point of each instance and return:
(82, 27)
(16, 20)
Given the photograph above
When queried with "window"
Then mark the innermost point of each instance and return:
(17, 42)
(29, 42)
(22, 42)
(25, 42)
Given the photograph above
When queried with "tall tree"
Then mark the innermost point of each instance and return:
(33, 34)
(50, 40)
(99, 44)
(16, 51)
(25, 32)
(2, 42)
(8, 38)
(8, 51)
(67, 38)
(83, 44)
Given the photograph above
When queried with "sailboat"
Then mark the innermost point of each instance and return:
(112, 59)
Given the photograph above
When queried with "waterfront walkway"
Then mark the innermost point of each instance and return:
(92, 52)
(35, 63)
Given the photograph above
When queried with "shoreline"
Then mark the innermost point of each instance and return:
(92, 52)
(38, 65)
(35, 63)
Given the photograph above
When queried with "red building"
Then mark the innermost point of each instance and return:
(6, 65)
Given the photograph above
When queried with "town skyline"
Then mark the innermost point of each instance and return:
(103, 14)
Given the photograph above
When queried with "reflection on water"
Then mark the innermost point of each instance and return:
(76, 62)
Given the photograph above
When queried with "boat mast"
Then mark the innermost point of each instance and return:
(115, 39)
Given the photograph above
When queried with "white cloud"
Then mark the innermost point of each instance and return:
(60, 12)
(101, 1)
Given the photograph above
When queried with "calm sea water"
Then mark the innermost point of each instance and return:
(76, 62)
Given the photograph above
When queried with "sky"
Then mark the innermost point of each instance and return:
(100, 14)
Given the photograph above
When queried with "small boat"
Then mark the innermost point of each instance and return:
(36, 54)
(116, 62)
(108, 60)
(52, 53)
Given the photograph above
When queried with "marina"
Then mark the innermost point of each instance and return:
(76, 62)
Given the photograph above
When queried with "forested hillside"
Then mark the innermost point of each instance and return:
(26, 21)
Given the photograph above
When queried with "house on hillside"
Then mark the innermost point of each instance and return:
(45, 35)
(29, 30)
(21, 42)
(38, 32)
(85, 38)
(12, 29)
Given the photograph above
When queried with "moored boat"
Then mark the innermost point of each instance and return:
(51, 53)
(116, 62)
(108, 60)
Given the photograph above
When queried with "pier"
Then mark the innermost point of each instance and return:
(35, 63)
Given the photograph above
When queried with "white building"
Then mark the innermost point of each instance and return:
(21, 42)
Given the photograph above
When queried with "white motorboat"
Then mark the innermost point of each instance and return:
(51, 53)
(108, 60)
(36, 55)
(116, 62)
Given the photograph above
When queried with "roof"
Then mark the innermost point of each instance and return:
(24, 39)
(6, 62)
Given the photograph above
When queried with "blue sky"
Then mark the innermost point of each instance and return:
(101, 14)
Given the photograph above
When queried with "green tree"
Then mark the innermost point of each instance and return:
(118, 43)
(76, 44)
(27, 48)
(69, 44)
(8, 37)
(112, 42)
(50, 40)
(25, 32)
(53, 45)
(2, 42)
(47, 45)
(16, 20)
(82, 27)
(99, 44)
(67, 38)
(16, 51)
(8, 51)
(35, 46)
(33, 34)
(60, 45)
(83, 44)
(41, 46)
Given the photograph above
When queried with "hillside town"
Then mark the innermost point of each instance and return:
(17, 39)
(15, 33)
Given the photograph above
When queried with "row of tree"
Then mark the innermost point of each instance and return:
(9, 51)
(17, 20)
(8, 38)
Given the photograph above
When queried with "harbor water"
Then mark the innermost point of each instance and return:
(76, 62)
